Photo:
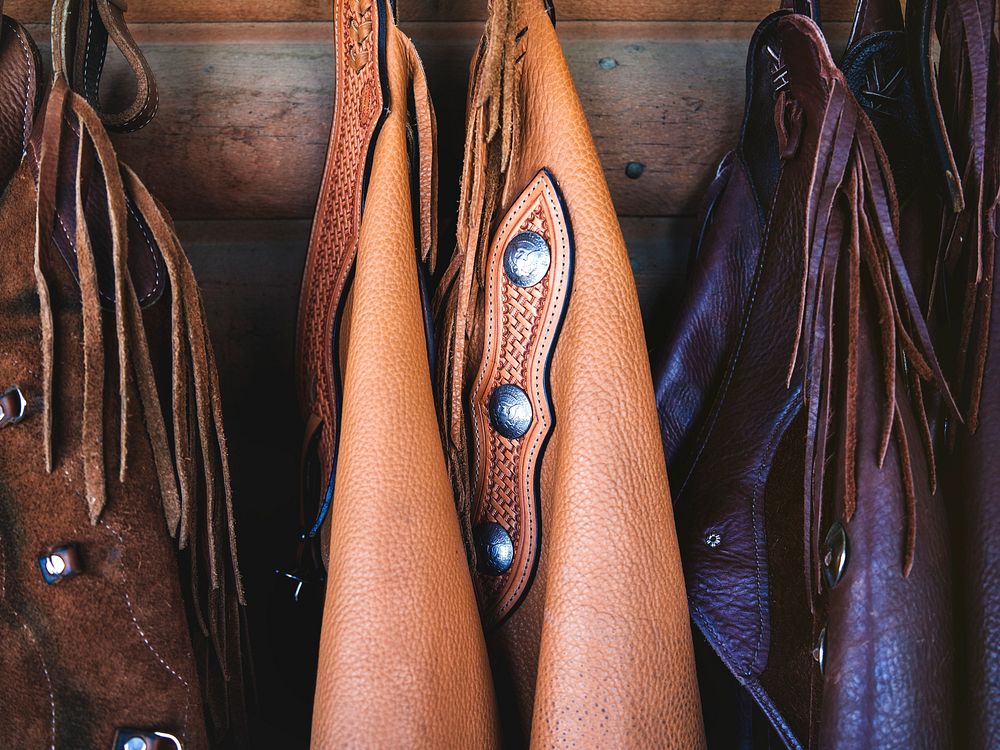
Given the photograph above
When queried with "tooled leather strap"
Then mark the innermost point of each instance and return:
(359, 110)
(529, 269)
(80, 33)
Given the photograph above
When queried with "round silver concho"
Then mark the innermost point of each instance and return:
(526, 259)
(494, 547)
(510, 411)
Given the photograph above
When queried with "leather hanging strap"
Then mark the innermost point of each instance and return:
(81, 30)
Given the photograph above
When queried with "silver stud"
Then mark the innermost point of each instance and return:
(526, 259)
(713, 540)
(835, 551)
(495, 548)
(59, 563)
(819, 653)
(510, 411)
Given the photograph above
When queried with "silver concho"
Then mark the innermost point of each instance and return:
(510, 411)
(495, 548)
(526, 259)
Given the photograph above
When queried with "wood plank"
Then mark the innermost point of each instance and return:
(250, 272)
(37, 11)
(245, 110)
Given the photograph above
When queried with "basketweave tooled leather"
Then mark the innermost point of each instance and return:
(752, 521)
(402, 658)
(359, 110)
(598, 650)
(89, 471)
(522, 324)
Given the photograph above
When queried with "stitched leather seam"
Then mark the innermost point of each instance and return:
(34, 643)
(27, 80)
(142, 633)
(149, 243)
(551, 304)
(48, 676)
(734, 358)
(86, 53)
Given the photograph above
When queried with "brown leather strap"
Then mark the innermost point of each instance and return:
(80, 33)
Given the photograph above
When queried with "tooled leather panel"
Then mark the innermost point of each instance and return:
(522, 324)
(19, 95)
(359, 109)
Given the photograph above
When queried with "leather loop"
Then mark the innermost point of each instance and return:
(80, 33)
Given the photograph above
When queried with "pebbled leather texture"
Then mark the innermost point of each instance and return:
(742, 518)
(402, 659)
(599, 652)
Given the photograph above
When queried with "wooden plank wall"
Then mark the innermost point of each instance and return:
(236, 153)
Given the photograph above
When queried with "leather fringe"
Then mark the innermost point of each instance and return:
(966, 254)
(491, 139)
(852, 229)
(198, 440)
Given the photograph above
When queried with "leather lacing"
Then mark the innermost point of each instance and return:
(851, 230)
(198, 440)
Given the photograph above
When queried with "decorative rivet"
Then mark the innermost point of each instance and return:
(819, 653)
(713, 540)
(608, 63)
(141, 739)
(59, 563)
(510, 411)
(634, 170)
(13, 406)
(526, 259)
(495, 548)
(835, 551)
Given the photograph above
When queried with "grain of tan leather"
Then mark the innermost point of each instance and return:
(599, 652)
(402, 659)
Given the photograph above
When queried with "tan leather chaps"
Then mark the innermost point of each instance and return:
(562, 617)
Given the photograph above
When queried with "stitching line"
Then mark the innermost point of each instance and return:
(145, 639)
(48, 678)
(27, 80)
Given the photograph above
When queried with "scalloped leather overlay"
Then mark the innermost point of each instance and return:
(359, 110)
(522, 325)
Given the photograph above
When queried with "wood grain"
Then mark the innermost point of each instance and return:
(37, 11)
(245, 109)
(250, 272)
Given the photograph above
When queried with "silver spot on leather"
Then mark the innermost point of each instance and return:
(713, 540)
(494, 547)
(142, 739)
(526, 259)
(510, 411)
(835, 553)
(21, 406)
(59, 563)
(819, 653)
